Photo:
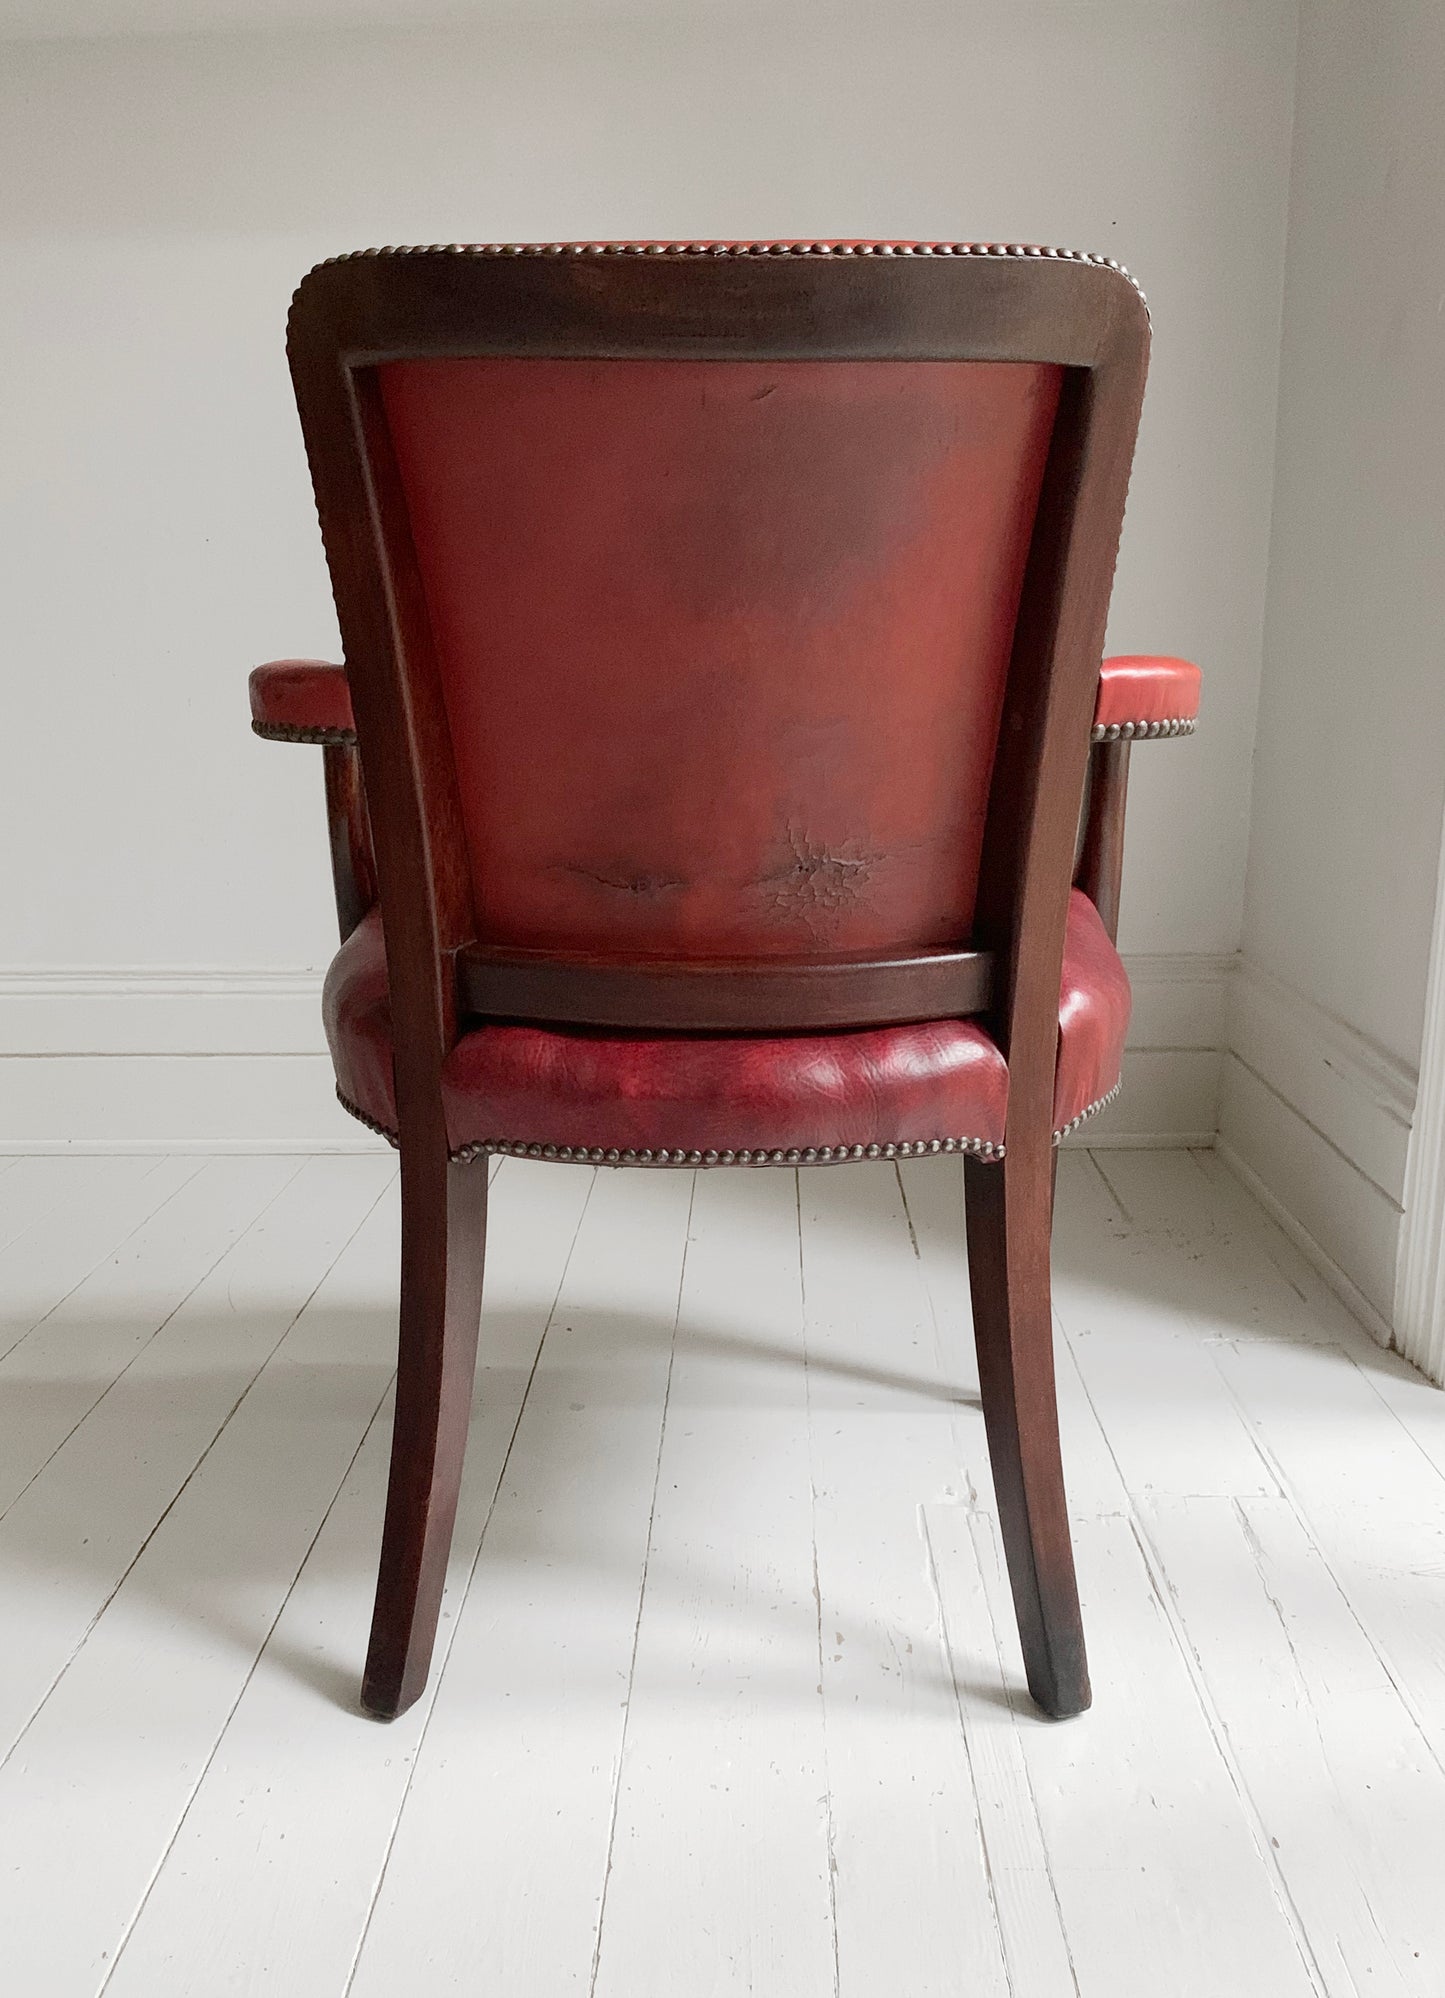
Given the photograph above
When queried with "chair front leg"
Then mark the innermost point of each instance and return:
(443, 1238)
(1009, 1213)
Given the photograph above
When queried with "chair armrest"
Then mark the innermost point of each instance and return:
(306, 700)
(1140, 695)
(302, 700)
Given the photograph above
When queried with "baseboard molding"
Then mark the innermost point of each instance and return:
(179, 1059)
(1315, 1118)
(175, 1103)
(1173, 1061)
(1342, 1285)
(1357, 1097)
(1419, 1310)
(136, 1010)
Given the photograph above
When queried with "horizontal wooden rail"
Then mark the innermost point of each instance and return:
(752, 997)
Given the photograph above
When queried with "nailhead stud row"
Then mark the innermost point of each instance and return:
(1101, 1103)
(1103, 732)
(758, 249)
(1137, 731)
(295, 732)
(795, 1156)
(599, 1155)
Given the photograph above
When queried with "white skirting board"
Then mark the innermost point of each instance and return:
(1316, 1119)
(218, 1060)
(1419, 1314)
(1312, 1116)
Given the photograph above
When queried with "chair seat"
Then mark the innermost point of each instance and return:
(713, 1099)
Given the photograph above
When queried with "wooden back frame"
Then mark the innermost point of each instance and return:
(768, 303)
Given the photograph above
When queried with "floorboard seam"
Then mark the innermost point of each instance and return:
(151, 1337)
(1219, 1735)
(1301, 1513)
(440, 1666)
(221, 1732)
(829, 1826)
(184, 1485)
(985, 1854)
(106, 1254)
(641, 1599)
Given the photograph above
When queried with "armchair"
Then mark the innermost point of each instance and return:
(731, 780)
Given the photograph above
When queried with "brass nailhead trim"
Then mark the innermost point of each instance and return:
(1100, 1103)
(355, 1110)
(598, 1155)
(295, 732)
(806, 1155)
(1137, 731)
(1102, 732)
(758, 249)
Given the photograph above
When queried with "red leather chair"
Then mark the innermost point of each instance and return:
(722, 628)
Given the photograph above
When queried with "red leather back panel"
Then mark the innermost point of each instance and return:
(722, 645)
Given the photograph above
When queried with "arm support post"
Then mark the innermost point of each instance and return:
(353, 870)
(307, 700)
(1101, 863)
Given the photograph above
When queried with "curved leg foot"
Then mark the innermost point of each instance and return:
(443, 1238)
(1009, 1209)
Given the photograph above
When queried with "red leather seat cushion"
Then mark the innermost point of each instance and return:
(589, 1090)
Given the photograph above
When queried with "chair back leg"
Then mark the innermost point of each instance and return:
(1009, 1212)
(443, 1238)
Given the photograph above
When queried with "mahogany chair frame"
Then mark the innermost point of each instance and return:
(398, 832)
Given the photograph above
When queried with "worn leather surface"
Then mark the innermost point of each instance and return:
(722, 645)
(579, 1087)
(357, 1018)
(305, 697)
(1137, 687)
(1094, 1007)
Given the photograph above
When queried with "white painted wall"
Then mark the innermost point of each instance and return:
(1349, 775)
(159, 196)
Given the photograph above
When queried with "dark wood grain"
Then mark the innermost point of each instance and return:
(786, 996)
(1008, 1208)
(444, 1221)
(353, 868)
(1101, 860)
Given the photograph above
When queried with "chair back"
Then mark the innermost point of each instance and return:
(721, 644)
(722, 620)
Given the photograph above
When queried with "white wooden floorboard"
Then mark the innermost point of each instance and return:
(1372, 1501)
(915, 1910)
(1415, 1402)
(1129, 1304)
(267, 1887)
(53, 1376)
(497, 1871)
(751, 1426)
(1354, 1439)
(72, 1535)
(66, 1239)
(1334, 1763)
(723, 1802)
(1164, 1880)
(101, 1774)
(988, 1676)
(31, 1188)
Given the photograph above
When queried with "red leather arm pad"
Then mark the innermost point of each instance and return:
(301, 700)
(1142, 696)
